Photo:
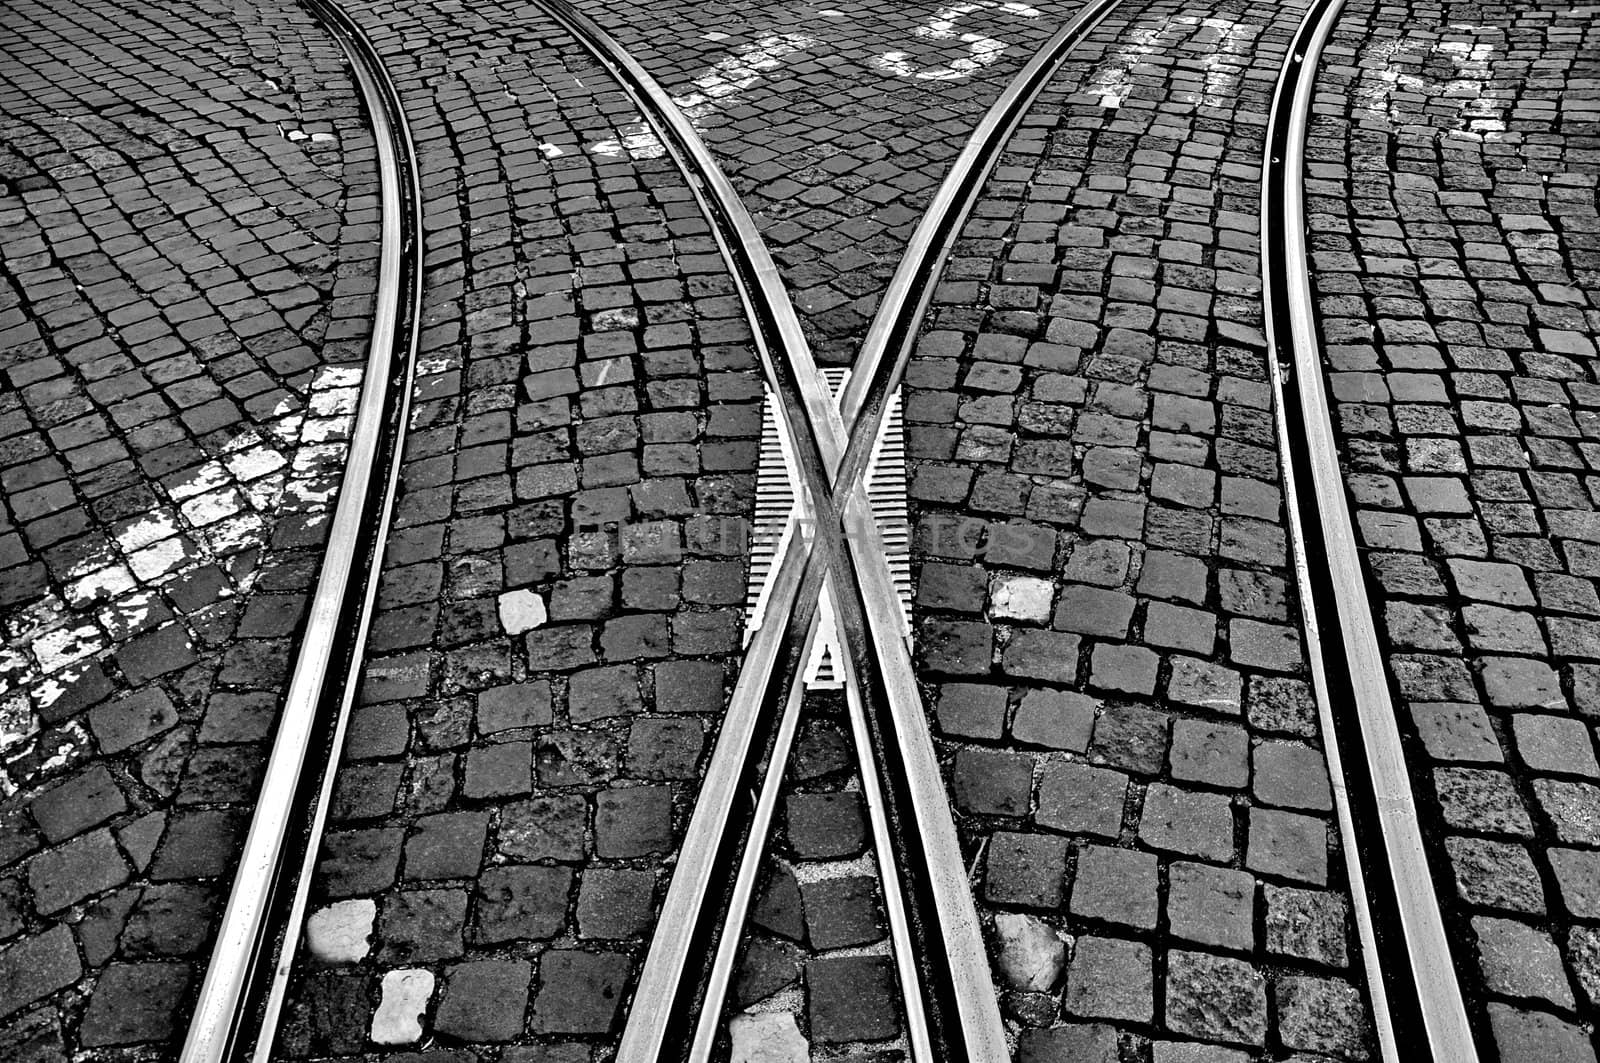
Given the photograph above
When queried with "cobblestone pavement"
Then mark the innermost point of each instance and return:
(186, 216)
(1105, 612)
(1456, 154)
(564, 589)
(835, 123)
(1106, 619)
(816, 955)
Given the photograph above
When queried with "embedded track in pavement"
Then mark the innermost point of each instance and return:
(835, 549)
(235, 1016)
(1417, 1001)
(939, 950)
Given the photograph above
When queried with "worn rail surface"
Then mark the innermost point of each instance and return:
(235, 1016)
(834, 548)
(1416, 1000)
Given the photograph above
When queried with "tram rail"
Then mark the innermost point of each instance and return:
(1416, 1002)
(952, 1004)
(951, 1007)
(236, 1013)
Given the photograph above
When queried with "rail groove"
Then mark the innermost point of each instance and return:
(235, 1017)
(1416, 1000)
(835, 549)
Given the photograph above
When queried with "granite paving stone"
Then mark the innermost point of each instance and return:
(1095, 344)
(1465, 420)
(190, 243)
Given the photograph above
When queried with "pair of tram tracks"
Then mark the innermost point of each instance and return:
(835, 548)
(242, 994)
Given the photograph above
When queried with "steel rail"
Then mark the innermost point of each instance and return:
(885, 654)
(906, 757)
(654, 1028)
(1392, 891)
(886, 349)
(242, 992)
(664, 989)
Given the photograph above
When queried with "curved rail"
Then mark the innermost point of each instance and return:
(1391, 885)
(941, 960)
(886, 350)
(678, 1000)
(236, 1014)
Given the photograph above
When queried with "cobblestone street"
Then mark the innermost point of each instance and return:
(1113, 653)
(1456, 232)
(187, 210)
(607, 586)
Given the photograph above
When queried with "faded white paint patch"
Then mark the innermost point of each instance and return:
(1226, 46)
(712, 91)
(140, 532)
(732, 75)
(59, 749)
(17, 720)
(108, 582)
(153, 562)
(66, 645)
(334, 401)
(218, 509)
(130, 614)
(638, 141)
(1112, 80)
(212, 506)
(206, 477)
(257, 462)
(1388, 77)
(983, 50)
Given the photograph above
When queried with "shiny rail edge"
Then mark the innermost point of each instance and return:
(651, 1017)
(863, 407)
(822, 449)
(881, 364)
(905, 301)
(235, 1013)
(1352, 669)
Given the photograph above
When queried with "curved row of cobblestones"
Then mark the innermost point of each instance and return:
(1107, 629)
(188, 242)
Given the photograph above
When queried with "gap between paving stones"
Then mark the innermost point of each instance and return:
(189, 262)
(1453, 217)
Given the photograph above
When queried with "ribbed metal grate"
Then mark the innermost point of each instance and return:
(776, 478)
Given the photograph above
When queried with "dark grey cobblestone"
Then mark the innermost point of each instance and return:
(188, 223)
(563, 594)
(835, 123)
(817, 946)
(1105, 614)
(1106, 627)
(1453, 166)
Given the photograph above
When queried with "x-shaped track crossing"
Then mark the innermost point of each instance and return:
(833, 547)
